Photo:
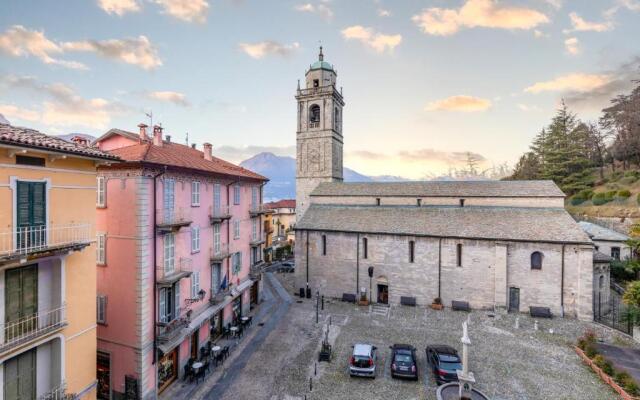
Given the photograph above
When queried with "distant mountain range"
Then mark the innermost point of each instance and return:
(281, 171)
(3, 120)
(68, 136)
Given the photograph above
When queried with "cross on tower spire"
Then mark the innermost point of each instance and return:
(321, 56)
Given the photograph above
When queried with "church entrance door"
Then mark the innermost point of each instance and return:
(514, 299)
(383, 294)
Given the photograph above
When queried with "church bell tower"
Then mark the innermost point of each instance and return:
(319, 132)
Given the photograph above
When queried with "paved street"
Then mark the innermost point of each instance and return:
(277, 360)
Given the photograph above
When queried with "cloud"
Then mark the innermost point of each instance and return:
(323, 10)
(383, 13)
(539, 34)
(62, 106)
(15, 112)
(526, 108)
(186, 10)
(260, 50)
(459, 103)
(577, 82)
(19, 41)
(171, 97)
(580, 25)
(377, 41)
(572, 46)
(135, 51)
(557, 4)
(477, 13)
(419, 155)
(119, 7)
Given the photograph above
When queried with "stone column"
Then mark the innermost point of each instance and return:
(584, 300)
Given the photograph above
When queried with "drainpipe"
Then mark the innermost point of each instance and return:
(562, 283)
(307, 262)
(229, 233)
(439, 266)
(155, 288)
(358, 265)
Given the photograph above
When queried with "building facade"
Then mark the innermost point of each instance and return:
(47, 265)
(608, 241)
(499, 245)
(283, 220)
(179, 232)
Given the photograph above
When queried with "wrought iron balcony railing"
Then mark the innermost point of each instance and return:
(170, 273)
(172, 219)
(58, 393)
(219, 214)
(258, 209)
(31, 327)
(169, 331)
(219, 252)
(25, 241)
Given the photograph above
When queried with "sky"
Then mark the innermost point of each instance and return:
(425, 81)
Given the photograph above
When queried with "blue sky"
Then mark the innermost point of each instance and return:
(424, 81)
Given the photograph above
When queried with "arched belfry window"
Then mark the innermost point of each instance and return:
(314, 116)
(336, 118)
(536, 260)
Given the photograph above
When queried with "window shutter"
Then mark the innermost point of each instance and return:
(163, 305)
(101, 200)
(23, 206)
(177, 300)
(102, 309)
(216, 197)
(39, 204)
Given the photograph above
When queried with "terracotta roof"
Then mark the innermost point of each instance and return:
(440, 189)
(179, 155)
(550, 225)
(25, 137)
(286, 203)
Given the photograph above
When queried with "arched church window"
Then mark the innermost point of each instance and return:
(601, 282)
(536, 260)
(314, 116)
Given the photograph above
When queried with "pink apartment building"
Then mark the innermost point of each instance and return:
(179, 237)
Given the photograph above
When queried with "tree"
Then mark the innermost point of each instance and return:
(622, 121)
(527, 168)
(631, 296)
(598, 143)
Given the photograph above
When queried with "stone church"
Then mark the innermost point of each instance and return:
(493, 244)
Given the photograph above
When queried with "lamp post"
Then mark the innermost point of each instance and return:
(370, 271)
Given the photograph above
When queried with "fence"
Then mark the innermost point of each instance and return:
(31, 326)
(31, 239)
(612, 312)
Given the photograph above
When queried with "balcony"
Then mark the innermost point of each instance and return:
(259, 209)
(58, 393)
(173, 330)
(39, 241)
(23, 330)
(182, 269)
(219, 253)
(172, 219)
(218, 215)
(256, 270)
(328, 89)
(219, 297)
(256, 241)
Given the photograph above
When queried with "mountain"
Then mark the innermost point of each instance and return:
(281, 172)
(68, 136)
(3, 120)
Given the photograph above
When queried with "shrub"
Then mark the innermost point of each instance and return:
(610, 195)
(624, 194)
(615, 176)
(622, 378)
(577, 200)
(638, 199)
(632, 174)
(599, 199)
(632, 388)
(590, 350)
(604, 364)
(628, 180)
(621, 271)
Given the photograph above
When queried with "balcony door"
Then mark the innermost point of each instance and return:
(168, 199)
(31, 214)
(21, 301)
(215, 277)
(20, 376)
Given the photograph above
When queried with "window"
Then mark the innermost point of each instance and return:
(237, 263)
(615, 253)
(101, 312)
(195, 193)
(461, 202)
(168, 197)
(236, 194)
(195, 284)
(169, 303)
(254, 229)
(459, 254)
(365, 248)
(26, 160)
(419, 202)
(412, 251)
(216, 199)
(378, 201)
(216, 275)
(101, 245)
(169, 253)
(336, 118)
(254, 196)
(536, 260)
(316, 83)
(324, 245)
(236, 229)
(101, 199)
(216, 239)
(314, 115)
(195, 239)
(601, 282)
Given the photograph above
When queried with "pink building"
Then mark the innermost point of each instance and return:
(179, 234)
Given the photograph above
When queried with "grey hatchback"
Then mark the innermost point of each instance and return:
(363, 360)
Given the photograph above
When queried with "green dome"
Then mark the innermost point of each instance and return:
(322, 65)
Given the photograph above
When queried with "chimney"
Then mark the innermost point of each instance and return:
(80, 141)
(207, 151)
(143, 132)
(157, 135)
(193, 145)
(168, 138)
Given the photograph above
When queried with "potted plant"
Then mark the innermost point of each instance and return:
(363, 299)
(437, 304)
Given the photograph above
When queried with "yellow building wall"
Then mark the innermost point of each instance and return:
(72, 200)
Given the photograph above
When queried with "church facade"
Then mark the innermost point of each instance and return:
(494, 244)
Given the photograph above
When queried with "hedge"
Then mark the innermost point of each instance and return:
(624, 194)
(599, 199)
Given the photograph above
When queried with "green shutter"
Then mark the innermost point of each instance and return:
(31, 212)
(21, 299)
(39, 203)
(20, 377)
(23, 206)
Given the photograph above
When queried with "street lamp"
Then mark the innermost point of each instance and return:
(370, 270)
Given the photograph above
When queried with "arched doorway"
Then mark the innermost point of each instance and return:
(382, 285)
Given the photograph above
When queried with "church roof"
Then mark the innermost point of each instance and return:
(597, 232)
(321, 65)
(440, 189)
(550, 225)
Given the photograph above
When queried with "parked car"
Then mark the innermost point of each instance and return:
(444, 361)
(404, 363)
(287, 266)
(363, 360)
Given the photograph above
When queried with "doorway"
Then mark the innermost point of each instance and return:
(194, 344)
(514, 299)
(383, 293)
(104, 376)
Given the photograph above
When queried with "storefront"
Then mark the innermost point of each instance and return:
(254, 293)
(216, 325)
(104, 376)
(167, 369)
(237, 309)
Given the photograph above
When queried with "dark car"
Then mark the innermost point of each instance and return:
(287, 266)
(444, 361)
(404, 361)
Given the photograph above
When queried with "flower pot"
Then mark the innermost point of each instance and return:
(437, 306)
(363, 302)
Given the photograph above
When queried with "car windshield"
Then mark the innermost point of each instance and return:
(403, 358)
(448, 358)
(361, 361)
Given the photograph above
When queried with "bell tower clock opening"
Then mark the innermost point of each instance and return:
(319, 131)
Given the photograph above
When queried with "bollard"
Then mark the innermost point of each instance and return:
(311, 384)
(315, 369)
(322, 302)
(329, 320)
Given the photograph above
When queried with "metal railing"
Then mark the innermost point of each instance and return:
(330, 89)
(32, 326)
(58, 393)
(219, 213)
(32, 239)
(173, 216)
(183, 264)
(171, 330)
(218, 253)
(259, 209)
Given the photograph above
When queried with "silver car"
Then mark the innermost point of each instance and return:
(363, 360)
